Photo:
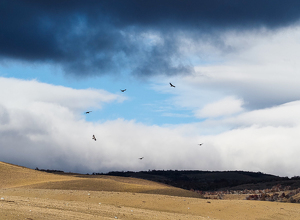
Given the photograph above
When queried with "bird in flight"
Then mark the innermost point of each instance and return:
(141, 158)
(87, 112)
(123, 90)
(94, 137)
(200, 144)
(172, 85)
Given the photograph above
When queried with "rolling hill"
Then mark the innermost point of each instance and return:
(32, 194)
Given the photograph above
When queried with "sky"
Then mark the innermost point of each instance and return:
(234, 65)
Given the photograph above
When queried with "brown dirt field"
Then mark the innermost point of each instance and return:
(30, 194)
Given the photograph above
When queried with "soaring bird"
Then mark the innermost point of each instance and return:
(141, 158)
(94, 137)
(200, 144)
(88, 112)
(123, 90)
(172, 85)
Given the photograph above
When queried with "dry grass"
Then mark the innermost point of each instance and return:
(30, 194)
(15, 176)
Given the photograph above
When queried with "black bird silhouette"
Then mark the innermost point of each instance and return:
(141, 158)
(123, 90)
(88, 112)
(94, 137)
(172, 85)
(200, 144)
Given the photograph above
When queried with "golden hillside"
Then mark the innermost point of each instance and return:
(31, 194)
(17, 176)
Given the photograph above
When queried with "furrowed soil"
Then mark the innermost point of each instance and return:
(32, 194)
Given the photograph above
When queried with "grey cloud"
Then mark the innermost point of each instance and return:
(85, 37)
(4, 116)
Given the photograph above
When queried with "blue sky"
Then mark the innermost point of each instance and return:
(234, 64)
(142, 104)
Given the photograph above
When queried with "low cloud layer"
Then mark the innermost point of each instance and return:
(50, 133)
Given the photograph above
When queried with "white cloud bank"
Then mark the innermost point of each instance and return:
(260, 67)
(42, 125)
(226, 106)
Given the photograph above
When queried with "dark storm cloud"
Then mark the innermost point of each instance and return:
(98, 37)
